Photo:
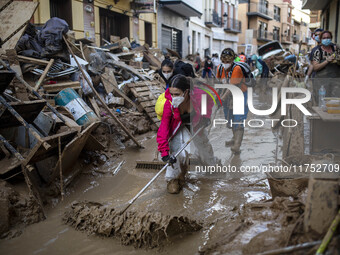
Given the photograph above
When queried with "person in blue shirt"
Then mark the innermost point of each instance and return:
(261, 66)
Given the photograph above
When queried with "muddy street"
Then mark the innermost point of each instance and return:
(212, 199)
(114, 143)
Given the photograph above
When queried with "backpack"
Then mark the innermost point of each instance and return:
(184, 68)
(250, 80)
(159, 107)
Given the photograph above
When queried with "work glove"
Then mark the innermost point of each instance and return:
(169, 159)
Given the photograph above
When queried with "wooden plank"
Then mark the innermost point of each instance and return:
(24, 59)
(3, 3)
(12, 18)
(325, 116)
(72, 150)
(136, 84)
(120, 93)
(152, 114)
(146, 104)
(60, 86)
(128, 68)
(42, 77)
(106, 80)
(149, 109)
(92, 144)
(145, 99)
(141, 89)
(145, 94)
(95, 106)
(152, 59)
(110, 73)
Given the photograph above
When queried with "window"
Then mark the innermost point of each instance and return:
(113, 23)
(276, 33)
(219, 8)
(277, 13)
(62, 9)
(148, 33)
(172, 39)
(289, 12)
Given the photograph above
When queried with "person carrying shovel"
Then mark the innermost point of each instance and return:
(181, 118)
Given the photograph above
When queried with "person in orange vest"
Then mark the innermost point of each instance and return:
(231, 73)
(243, 57)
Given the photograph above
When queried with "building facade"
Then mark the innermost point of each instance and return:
(268, 20)
(329, 18)
(216, 29)
(302, 32)
(97, 20)
(173, 24)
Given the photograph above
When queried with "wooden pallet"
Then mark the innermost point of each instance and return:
(146, 93)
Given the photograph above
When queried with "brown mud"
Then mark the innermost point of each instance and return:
(140, 229)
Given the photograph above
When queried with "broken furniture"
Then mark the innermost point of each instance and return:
(146, 94)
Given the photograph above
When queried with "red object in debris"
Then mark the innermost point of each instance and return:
(51, 82)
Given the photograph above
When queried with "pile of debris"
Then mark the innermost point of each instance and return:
(60, 96)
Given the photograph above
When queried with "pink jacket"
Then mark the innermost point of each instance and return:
(171, 119)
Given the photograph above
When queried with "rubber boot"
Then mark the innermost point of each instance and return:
(238, 134)
(173, 186)
(230, 142)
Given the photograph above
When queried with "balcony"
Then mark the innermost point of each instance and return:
(212, 19)
(276, 37)
(185, 8)
(287, 39)
(296, 38)
(260, 10)
(264, 35)
(277, 17)
(232, 26)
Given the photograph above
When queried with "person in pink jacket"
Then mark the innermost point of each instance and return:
(181, 117)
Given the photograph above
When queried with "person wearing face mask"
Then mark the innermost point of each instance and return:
(231, 74)
(208, 67)
(326, 68)
(316, 37)
(182, 117)
(166, 71)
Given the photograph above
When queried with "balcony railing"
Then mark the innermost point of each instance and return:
(286, 38)
(277, 17)
(264, 35)
(261, 10)
(276, 37)
(232, 25)
(212, 19)
(296, 38)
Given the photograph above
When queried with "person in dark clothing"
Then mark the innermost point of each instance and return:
(265, 69)
(166, 71)
(183, 68)
(197, 62)
(326, 67)
(208, 67)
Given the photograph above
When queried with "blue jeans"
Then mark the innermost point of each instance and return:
(205, 73)
(229, 115)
